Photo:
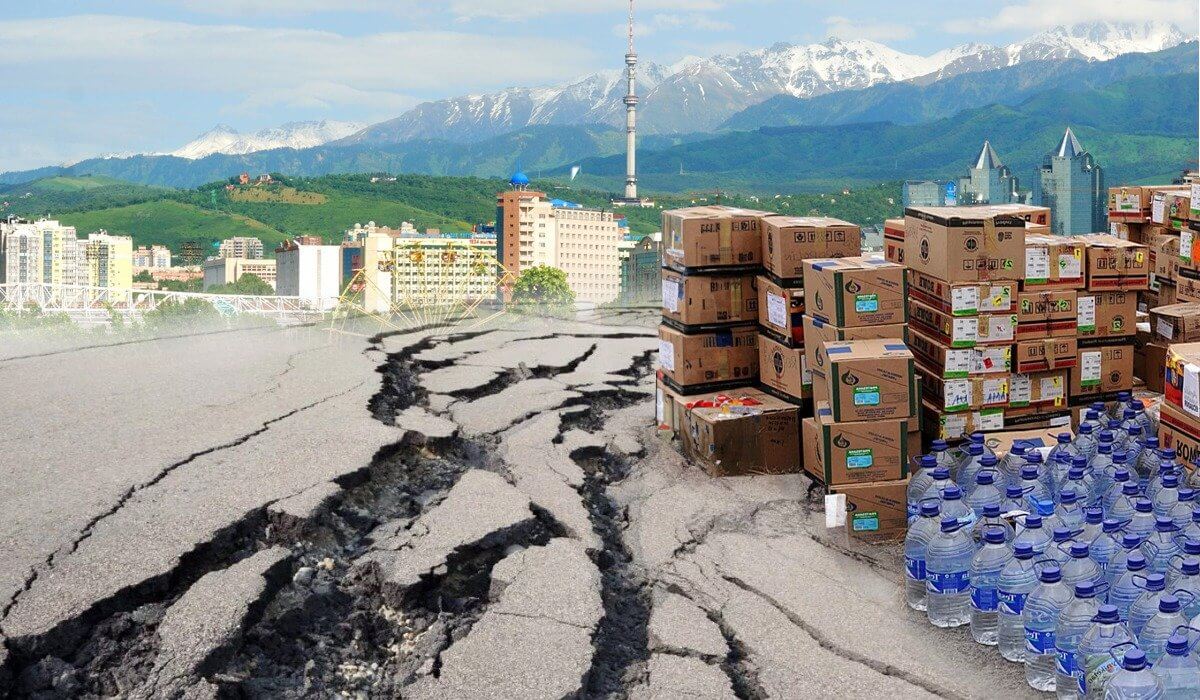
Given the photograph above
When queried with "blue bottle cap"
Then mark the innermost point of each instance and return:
(975, 449)
(1186, 494)
(1029, 472)
(949, 524)
(1119, 457)
(1168, 453)
(1079, 463)
(1106, 436)
(1062, 534)
(1112, 525)
(1012, 491)
(1068, 497)
(1151, 442)
(1033, 457)
(1137, 404)
(988, 460)
(1135, 431)
(977, 438)
(1023, 550)
(941, 473)
(1050, 574)
(1129, 413)
(1156, 582)
(1085, 589)
(1135, 660)
(1079, 550)
(1190, 567)
(1097, 406)
(1136, 561)
(939, 445)
(1123, 396)
(1107, 614)
(1170, 481)
(985, 478)
(1143, 505)
(1191, 545)
(1163, 524)
(1086, 428)
(1064, 438)
(991, 510)
(1093, 516)
(1017, 449)
(951, 493)
(1177, 645)
(1196, 514)
(993, 534)
(1105, 448)
(1121, 473)
(930, 509)
(930, 462)
(1168, 604)
(1130, 488)
(1033, 521)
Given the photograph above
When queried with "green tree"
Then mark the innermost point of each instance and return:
(543, 288)
(190, 314)
(143, 276)
(196, 285)
(248, 284)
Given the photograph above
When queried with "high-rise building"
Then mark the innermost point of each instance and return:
(309, 269)
(246, 248)
(924, 193)
(109, 260)
(443, 269)
(989, 181)
(151, 257)
(1071, 183)
(42, 251)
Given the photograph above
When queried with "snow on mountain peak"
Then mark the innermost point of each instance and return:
(225, 139)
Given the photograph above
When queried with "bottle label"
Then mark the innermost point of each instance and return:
(984, 599)
(952, 582)
(1094, 670)
(1011, 603)
(915, 568)
(1065, 661)
(1039, 642)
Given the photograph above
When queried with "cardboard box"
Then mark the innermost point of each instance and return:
(1046, 354)
(745, 432)
(1170, 206)
(1102, 370)
(1128, 202)
(707, 301)
(967, 394)
(865, 380)
(1181, 377)
(781, 369)
(781, 311)
(1180, 432)
(964, 244)
(1187, 287)
(963, 331)
(1040, 389)
(955, 426)
(1047, 313)
(1149, 364)
(817, 333)
(667, 409)
(1176, 323)
(957, 363)
(1164, 253)
(1189, 251)
(708, 361)
(1031, 214)
(790, 240)
(855, 291)
(876, 512)
(893, 240)
(1053, 262)
(1127, 230)
(712, 237)
(1106, 314)
(1114, 264)
(963, 298)
(856, 452)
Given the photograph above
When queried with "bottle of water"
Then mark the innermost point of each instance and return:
(1134, 680)
(954, 507)
(1101, 464)
(1143, 418)
(948, 575)
(941, 453)
(1063, 446)
(919, 483)
(986, 566)
(1069, 511)
(991, 518)
(1126, 591)
(1073, 622)
(1085, 441)
(916, 542)
(1181, 512)
(1093, 525)
(1095, 662)
(1165, 469)
(1080, 567)
(1033, 534)
(1124, 507)
(1119, 435)
(1011, 465)
(1115, 410)
(1121, 478)
(1167, 496)
(978, 438)
(1032, 485)
(972, 452)
(1118, 564)
(941, 480)
(971, 467)
(1153, 589)
(1142, 522)
(1059, 471)
(1161, 545)
(1105, 547)
(1192, 531)
(1040, 618)
(1154, 635)
(1014, 500)
(1017, 580)
(1177, 670)
(1176, 575)
(985, 492)
(1147, 461)
(1060, 545)
(1134, 445)
(1079, 478)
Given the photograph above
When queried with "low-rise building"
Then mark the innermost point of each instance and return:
(218, 271)
(443, 269)
(309, 269)
(246, 248)
(151, 257)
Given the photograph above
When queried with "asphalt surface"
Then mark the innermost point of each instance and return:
(478, 511)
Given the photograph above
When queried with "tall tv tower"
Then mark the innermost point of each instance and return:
(631, 102)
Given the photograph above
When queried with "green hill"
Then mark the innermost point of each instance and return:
(171, 223)
(56, 195)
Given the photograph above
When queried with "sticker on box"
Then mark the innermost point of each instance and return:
(1090, 365)
(964, 300)
(1085, 307)
(863, 458)
(670, 294)
(1037, 264)
(666, 355)
(999, 298)
(777, 310)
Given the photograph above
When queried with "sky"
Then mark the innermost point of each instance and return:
(90, 77)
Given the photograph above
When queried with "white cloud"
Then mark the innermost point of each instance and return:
(847, 28)
(674, 22)
(1042, 14)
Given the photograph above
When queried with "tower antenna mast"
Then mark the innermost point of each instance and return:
(631, 102)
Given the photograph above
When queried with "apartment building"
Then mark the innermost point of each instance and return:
(246, 248)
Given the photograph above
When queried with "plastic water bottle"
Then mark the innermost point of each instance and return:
(1165, 469)
(1059, 470)
(1115, 410)
(1017, 580)
(1095, 660)
(941, 452)
(954, 507)
(1147, 462)
(991, 518)
(1192, 531)
(918, 483)
(1034, 534)
(1080, 479)
(1145, 607)
(1119, 501)
(1011, 465)
(1069, 510)
(916, 542)
(1142, 522)
(986, 566)
(941, 480)
(1080, 568)
(971, 466)
(1134, 445)
(985, 492)
(1126, 591)
(1014, 500)
(1119, 434)
(1185, 576)
(1073, 622)
(1085, 440)
(1063, 446)
(1032, 485)
(1161, 545)
(1154, 635)
(972, 452)
(1167, 496)
(1181, 513)
(1134, 680)
(1177, 670)
(1105, 546)
(948, 575)
(1119, 563)
(1143, 418)
(978, 438)
(1093, 525)
(1040, 618)
(1101, 464)
(1060, 545)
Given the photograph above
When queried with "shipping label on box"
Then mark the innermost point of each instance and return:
(790, 240)
(853, 452)
(707, 300)
(1043, 388)
(970, 394)
(1165, 255)
(1176, 322)
(952, 426)
(957, 363)
(712, 237)
(781, 311)
(1053, 261)
(865, 380)
(855, 291)
(781, 369)
(963, 331)
(1106, 314)
(1128, 201)
(696, 361)
(742, 432)
(1102, 370)
(1114, 264)
(1046, 354)
(964, 298)
(817, 333)
(1047, 313)
(964, 244)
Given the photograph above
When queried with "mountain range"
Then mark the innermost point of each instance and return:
(225, 139)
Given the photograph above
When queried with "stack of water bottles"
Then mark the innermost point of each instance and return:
(1081, 562)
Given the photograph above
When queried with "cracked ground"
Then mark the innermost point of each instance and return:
(481, 510)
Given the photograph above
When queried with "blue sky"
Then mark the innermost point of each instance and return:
(88, 77)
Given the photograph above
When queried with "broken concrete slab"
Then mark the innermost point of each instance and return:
(418, 420)
(530, 583)
(494, 413)
(458, 378)
(611, 362)
(304, 506)
(207, 620)
(679, 625)
(557, 353)
(448, 350)
(670, 677)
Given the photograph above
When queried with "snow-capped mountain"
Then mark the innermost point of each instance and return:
(224, 139)
(698, 94)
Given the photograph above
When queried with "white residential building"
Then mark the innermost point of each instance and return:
(42, 251)
(242, 247)
(152, 257)
(308, 269)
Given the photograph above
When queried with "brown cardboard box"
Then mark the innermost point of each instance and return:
(865, 380)
(1053, 262)
(1032, 214)
(1044, 355)
(855, 452)
(1128, 230)
(893, 240)
(968, 394)
(876, 512)
(1102, 370)
(789, 240)
(1180, 432)
(1047, 313)
(817, 333)
(709, 360)
(1040, 389)
(1187, 287)
(854, 291)
(712, 237)
(781, 369)
(1149, 364)
(953, 426)
(1176, 323)
(780, 311)
(963, 331)
(1181, 377)
(1115, 265)
(699, 301)
(667, 408)
(1128, 202)
(956, 363)
(745, 432)
(964, 244)
(963, 298)
(1106, 314)
(1170, 206)
(1164, 252)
